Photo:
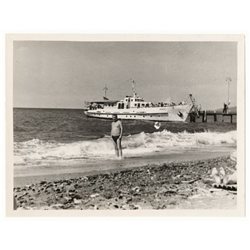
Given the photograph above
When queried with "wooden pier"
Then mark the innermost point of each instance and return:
(213, 116)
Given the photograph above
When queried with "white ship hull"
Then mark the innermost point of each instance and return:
(177, 113)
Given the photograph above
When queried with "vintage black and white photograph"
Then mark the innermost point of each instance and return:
(126, 124)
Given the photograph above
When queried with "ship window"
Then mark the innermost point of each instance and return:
(120, 105)
(135, 104)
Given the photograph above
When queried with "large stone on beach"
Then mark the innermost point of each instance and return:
(84, 178)
(59, 190)
(76, 196)
(57, 206)
(64, 201)
(70, 188)
(94, 195)
(76, 201)
(108, 195)
(136, 189)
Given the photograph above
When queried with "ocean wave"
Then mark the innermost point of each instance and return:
(19, 129)
(36, 150)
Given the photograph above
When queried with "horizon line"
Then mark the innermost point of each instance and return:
(44, 108)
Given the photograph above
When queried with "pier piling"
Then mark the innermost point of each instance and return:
(217, 117)
(204, 116)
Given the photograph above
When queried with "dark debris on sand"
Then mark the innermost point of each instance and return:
(146, 187)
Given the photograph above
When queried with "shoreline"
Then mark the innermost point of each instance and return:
(28, 175)
(177, 184)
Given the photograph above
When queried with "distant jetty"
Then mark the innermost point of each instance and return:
(214, 116)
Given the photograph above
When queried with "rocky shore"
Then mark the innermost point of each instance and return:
(173, 185)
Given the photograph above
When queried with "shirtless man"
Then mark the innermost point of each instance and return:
(116, 134)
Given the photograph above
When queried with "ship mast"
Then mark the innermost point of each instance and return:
(133, 87)
(105, 92)
(228, 81)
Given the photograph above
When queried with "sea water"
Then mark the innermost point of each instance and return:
(50, 136)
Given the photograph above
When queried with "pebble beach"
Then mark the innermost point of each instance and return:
(174, 185)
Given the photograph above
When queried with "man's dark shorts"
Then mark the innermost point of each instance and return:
(115, 137)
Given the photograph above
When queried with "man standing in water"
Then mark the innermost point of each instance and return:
(116, 134)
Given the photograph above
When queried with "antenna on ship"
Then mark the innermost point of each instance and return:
(133, 87)
(105, 92)
(228, 81)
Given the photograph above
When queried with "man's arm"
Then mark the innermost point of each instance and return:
(121, 130)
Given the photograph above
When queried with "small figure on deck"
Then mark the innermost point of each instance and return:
(225, 109)
(116, 134)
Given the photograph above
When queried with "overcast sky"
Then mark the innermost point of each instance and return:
(65, 74)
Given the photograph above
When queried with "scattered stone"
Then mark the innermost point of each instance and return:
(76, 201)
(148, 187)
(76, 196)
(56, 206)
(85, 178)
(94, 195)
(136, 189)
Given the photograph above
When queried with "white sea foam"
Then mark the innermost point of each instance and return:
(233, 156)
(35, 151)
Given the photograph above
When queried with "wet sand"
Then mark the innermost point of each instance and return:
(129, 184)
(65, 170)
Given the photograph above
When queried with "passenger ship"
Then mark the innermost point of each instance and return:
(135, 108)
